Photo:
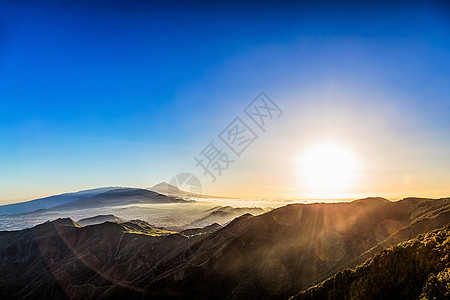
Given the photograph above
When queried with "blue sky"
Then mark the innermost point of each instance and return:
(99, 93)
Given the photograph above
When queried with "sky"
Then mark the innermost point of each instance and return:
(128, 93)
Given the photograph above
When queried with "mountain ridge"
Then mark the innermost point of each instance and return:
(50, 201)
(415, 269)
(271, 256)
(118, 197)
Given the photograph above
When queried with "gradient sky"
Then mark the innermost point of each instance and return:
(126, 93)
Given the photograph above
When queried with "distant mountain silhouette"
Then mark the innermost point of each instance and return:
(271, 256)
(170, 190)
(123, 196)
(165, 189)
(225, 214)
(52, 201)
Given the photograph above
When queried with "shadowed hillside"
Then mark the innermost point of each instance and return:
(416, 269)
(271, 256)
(61, 259)
(279, 253)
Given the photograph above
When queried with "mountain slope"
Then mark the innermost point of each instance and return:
(100, 219)
(270, 256)
(52, 201)
(225, 214)
(168, 189)
(117, 197)
(418, 268)
(276, 254)
(173, 191)
(60, 259)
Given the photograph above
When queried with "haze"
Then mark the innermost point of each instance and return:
(114, 94)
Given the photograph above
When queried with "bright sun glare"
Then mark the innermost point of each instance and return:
(328, 171)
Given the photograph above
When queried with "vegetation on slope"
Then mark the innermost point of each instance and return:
(416, 269)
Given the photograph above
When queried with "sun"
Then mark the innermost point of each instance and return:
(328, 171)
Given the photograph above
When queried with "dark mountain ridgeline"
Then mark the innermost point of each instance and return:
(279, 253)
(271, 256)
(60, 259)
